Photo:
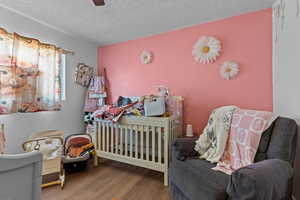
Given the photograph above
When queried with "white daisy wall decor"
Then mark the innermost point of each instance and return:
(207, 49)
(229, 70)
(146, 57)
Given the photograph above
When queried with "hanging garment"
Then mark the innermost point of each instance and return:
(95, 94)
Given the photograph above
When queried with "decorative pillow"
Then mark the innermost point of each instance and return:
(265, 139)
(264, 144)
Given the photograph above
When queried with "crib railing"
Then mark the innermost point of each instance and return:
(139, 141)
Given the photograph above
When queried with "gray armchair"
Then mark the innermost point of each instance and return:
(20, 176)
(269, 178)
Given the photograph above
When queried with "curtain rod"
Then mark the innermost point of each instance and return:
(28, 38)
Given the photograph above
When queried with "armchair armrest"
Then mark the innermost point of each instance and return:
(183, 148)
(266, 180)
(21, 176)
(10, 162)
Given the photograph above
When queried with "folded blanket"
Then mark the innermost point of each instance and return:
(211, 144)
(246, 129)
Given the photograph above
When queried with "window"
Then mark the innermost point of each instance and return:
(32, 75)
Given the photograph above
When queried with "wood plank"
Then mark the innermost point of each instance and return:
(126, 141)
(116, 139)
(153, 142)
(166, 154)
(121, 140)
(97, 134)
(103, 137)
(107, 134)
(136, 135)
(147, 143)
(142, 142)
(112, 135)
(159, 145)
(111, 180)
(131, 141)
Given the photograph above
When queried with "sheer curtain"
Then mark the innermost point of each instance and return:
(29, 75)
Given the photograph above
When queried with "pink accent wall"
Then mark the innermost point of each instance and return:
(246, 39)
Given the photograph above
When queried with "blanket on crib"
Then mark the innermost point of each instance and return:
(211, 144)
(246, 129)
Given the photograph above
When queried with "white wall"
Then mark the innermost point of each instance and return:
(286, 73)
(20, 126)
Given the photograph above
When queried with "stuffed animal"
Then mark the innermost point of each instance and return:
(48, 148)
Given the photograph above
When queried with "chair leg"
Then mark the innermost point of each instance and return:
(96, 159)
(62, 179)
(166, 178)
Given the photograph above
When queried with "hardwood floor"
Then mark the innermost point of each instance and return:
(111, 181)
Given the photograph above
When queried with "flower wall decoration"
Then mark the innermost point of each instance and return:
(207, 49)
(229, 70)
(146, 57)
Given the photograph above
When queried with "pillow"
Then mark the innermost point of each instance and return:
(264, 144)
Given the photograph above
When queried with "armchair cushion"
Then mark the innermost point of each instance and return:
(195, 179)
(183, 148)
(265, 180)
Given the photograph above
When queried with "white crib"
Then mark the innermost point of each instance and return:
(139, 141)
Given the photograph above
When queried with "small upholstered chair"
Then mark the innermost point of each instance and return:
(21, 176)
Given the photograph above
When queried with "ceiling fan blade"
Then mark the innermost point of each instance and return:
(99, 2)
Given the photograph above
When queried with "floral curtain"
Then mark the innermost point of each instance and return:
(29, 75)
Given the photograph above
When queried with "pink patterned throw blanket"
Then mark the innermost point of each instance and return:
(247, 127)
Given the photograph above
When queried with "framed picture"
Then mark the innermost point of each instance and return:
(83, 74)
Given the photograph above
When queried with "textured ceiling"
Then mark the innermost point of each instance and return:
(122, 20)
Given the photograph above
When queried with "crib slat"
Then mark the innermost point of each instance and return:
(103, 136)
(153, 143)
(107, 137)
(126, 141)
(159, 145)
(112, 134)
(117, 139)
(166, 153)
(131, 140)
(121, 140)
(98, 136)
(142, 142)
(147, 143)
(96, 142)
(136, 140)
